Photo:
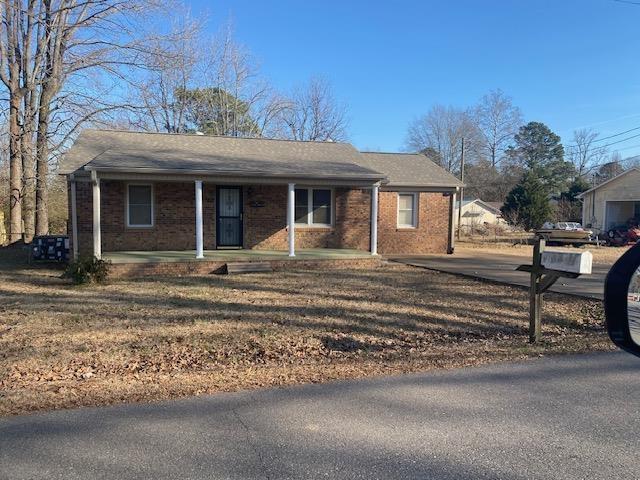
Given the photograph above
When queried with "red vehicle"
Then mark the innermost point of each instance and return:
(621, 235)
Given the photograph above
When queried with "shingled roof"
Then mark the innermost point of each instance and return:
(110, 150)
(140, 152)
(408, 170)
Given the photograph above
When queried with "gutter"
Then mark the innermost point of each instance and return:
(378, 177)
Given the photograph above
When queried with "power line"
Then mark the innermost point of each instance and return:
(627, 1)
(608, 144)
(607, 138)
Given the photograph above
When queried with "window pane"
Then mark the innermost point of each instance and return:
(321, 198)
(406, 209)
(405, 202)
(322, 206)
(140, 214)
(139, 194)
(405, 217)
(322, 215)
(302, 205)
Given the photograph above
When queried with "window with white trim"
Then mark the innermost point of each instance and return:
(314, 207)
(140, 205)
(407, 210)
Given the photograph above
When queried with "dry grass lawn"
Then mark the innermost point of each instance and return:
(65, 346)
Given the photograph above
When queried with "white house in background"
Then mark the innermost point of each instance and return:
(613, 202)
(476, 213)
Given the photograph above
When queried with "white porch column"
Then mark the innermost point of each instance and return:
(374, 220)
(199, 239)
(97, 242)
(74, 218)
(291, 206)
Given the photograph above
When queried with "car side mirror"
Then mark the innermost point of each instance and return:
(622, 301)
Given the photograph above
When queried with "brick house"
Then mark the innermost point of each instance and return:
(152, 192)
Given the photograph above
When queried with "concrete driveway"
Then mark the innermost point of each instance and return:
(502, 268)
(553, 418)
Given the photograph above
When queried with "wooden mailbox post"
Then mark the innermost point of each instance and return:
(547, 267)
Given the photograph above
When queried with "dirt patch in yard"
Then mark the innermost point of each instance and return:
(63, 346)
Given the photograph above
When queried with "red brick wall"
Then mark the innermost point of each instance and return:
(431, 234)
(265, 214)
(174, 218)
(265, 208)
(265, 217)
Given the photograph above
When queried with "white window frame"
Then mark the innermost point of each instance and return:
(129, 224)
(309, 222)
(414, 216)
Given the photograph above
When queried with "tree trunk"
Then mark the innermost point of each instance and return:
(42, 166)
(15, 172)
(29, 185)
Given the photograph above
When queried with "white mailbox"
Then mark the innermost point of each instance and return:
(573, 262)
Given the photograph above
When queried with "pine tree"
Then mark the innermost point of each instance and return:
(538, 149)
(527, 204)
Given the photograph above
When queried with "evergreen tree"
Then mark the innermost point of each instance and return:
(527, 204)
(215, 111)
(538, 149)
(569, 207)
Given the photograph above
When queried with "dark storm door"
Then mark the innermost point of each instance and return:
(229, 217)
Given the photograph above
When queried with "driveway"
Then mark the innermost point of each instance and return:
(502, 268)
(552, 418)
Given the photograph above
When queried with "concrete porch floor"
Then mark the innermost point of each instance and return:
(233, 255)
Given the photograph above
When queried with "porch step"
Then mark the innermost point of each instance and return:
(247, 267)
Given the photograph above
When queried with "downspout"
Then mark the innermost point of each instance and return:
(452, 211)
(74, 217)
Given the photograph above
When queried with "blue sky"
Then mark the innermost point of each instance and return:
(567, 63)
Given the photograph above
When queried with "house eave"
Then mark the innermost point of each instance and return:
(400, 187)
(597, 187)
(233, 177)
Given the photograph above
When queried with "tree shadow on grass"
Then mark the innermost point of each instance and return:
(380, 311)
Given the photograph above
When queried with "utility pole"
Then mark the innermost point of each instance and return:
(461, 189)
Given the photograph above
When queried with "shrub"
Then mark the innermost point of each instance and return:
(88, 270)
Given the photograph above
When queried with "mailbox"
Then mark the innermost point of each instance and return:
(573, 262)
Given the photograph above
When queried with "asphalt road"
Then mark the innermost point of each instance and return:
(502, 268)
(574, 417)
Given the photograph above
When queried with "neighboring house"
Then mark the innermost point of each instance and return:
(477, 213)
(170, 192)
(613, 202)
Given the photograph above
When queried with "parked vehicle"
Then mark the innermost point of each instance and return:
(565, 233)
(621, 235)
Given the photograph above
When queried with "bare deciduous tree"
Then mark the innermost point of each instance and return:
(211, 86)
(442, 130)
(498, 121)
(46, 45)
(313, 113)
(170, 66)
(584, 153)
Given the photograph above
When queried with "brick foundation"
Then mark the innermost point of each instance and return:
(172, 269)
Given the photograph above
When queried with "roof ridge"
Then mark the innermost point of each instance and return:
(392, 153)
(200, 135)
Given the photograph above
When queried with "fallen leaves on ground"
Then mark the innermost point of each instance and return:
(64, 346)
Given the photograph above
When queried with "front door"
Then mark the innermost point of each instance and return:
(229, 217)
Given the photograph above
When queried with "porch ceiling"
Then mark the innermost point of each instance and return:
(234, 255)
